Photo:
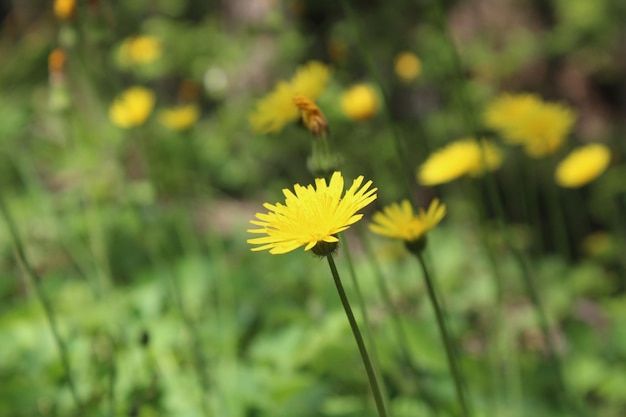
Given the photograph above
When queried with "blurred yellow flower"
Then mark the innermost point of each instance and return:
(582, 165)
(277, 108)
(360, 102)
(138, 50)
(56, 61)
(312, 216)
(132, 107)
(398, 221)
(524, 119)
(181, 117)
(407, 66)
(598, 244)
(64, 9)
(463, 157)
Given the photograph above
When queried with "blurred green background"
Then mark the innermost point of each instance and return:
(137, 237)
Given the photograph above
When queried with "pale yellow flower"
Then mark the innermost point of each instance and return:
(181, 117)
(132, 107)
(460, 158)
(407, 66)
(277, 109)
(360, 102)
(139, 50)
(524, 119)
(582, 165)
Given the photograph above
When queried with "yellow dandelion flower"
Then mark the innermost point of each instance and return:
(582, 165)
(524, 119)
(64, 9)
(507, 110)
(463, 157)
(398, 221)
(139, 50)
(181, 117)
(311, 216)
(407, 66)
(132, 107)
(277, 109)
(312, 117)
(359, 102)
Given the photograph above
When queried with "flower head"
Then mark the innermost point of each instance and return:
(360, 102)
(525, 119)
(181, 117)
(277, 109)
(311, 216)
(463, 157)
(139, 50)
(132, 107)
(407, 66)
(64, 9)
(312, 117)
(398, 221)
(582, 166)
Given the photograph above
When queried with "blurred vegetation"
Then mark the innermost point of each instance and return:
(137, 237)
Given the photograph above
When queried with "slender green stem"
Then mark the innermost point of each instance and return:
(45, 303)
(369, 368)
(447, 341)
(364, 313)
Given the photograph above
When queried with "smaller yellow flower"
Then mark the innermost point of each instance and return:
(139, 50)
(582, 165)
(407, 66)
(360, 102)
(524, 119)
(64, 9)
(312, 117)
(398, 221)
(132, 107)
(460, 158)
(277, 109)
(181, 117)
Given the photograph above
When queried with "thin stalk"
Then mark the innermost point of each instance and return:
(35, 280)
(367, 362)
(364, 313)
(447, 341)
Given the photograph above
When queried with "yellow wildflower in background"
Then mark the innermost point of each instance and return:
(277, 108)
(582, 166)
(181, 117)
(311, 217)
(359, 102)
(312, 117)
(64, 9)
(524, 119)
(398, 221)
(407, 66)
(139, 50)
(460, 158)
(132, 107)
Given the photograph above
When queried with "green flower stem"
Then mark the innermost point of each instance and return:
(557, 217)
(369, 367)
(397, 326)
(447, 341)
(364, 313)
(35, 280)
